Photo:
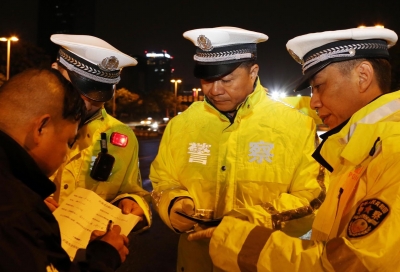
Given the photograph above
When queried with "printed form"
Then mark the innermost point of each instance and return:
(83, 212)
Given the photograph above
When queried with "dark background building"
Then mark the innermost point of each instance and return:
(64, 17)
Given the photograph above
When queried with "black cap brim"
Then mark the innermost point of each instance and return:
(368, 49)
(94, 90)
(212, 71)
(304, 81)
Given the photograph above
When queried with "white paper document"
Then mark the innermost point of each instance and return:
(83, 212)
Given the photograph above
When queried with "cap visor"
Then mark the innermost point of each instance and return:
(209, 71)
(304, 81)
(94, 90)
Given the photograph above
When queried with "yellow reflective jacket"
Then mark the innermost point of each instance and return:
(124, 180)
(261, 162)
(357, 227)
(302, 103)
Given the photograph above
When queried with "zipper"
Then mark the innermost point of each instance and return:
(340, 194)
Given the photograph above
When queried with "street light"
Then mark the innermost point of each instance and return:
(196, 93)
(8, 40)
(176, 81)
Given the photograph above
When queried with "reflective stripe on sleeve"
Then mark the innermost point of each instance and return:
(342, 258)
(252, 247)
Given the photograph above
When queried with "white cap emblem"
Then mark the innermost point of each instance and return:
(109, 64)
(204, 43)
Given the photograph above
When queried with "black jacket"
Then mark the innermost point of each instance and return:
(29, 234)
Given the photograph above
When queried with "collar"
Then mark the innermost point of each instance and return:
(246, 107)
(24, 168)
(98, 114)
(362, 128)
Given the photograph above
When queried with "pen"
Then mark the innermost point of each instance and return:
(109, 225)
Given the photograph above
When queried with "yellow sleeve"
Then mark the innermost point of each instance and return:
(294, 211)
(238, 245)
(163, 176)
(131, 185)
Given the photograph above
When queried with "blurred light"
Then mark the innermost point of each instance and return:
(165, 119)
(276, 94)
(158, 55)
(376, 26)
(119, 139)
(154, 125)
(299, 95)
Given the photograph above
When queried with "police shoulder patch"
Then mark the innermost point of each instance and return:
(369, 214)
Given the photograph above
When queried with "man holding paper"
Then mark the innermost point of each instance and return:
(47, 111)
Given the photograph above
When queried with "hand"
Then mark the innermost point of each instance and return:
(180, 223)
(119, 241)
(51, 203)
(127, 206)
(202, 234)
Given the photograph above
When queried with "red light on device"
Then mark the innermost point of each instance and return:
(119, 139)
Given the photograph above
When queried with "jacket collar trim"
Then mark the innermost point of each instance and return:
(23, 166)
(334, 141)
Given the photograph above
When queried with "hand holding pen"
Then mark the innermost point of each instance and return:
(113, 236)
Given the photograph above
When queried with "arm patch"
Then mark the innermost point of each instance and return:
(369, 214)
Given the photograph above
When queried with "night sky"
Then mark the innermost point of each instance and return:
(134, 26)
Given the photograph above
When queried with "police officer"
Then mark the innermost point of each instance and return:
(93, 67)
(356, 228)
(237, 152)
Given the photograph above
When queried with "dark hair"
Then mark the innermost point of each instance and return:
(381, 68)
(247, 64)
(74, 107)
(35, 91)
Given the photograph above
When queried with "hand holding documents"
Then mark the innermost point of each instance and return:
(83, 212)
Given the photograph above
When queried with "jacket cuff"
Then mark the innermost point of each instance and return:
(102, 256)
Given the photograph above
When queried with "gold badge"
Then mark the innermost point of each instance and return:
(109, 64)
(295, 57)
(204, 43)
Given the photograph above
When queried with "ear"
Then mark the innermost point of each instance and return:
(365, 73)
(254, 71)
(41, 127)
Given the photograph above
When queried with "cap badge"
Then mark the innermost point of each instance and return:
(295, 57)
(204, 43)
(109, 64)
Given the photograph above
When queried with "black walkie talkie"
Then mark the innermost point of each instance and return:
(104, 162)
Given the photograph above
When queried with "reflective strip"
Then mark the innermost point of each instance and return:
(252, 247)
(75, 69)
(342, 258)
(223, 58)
(375, 116)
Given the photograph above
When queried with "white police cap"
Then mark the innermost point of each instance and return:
(315, 51)
(93, 65)
(221, 50)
